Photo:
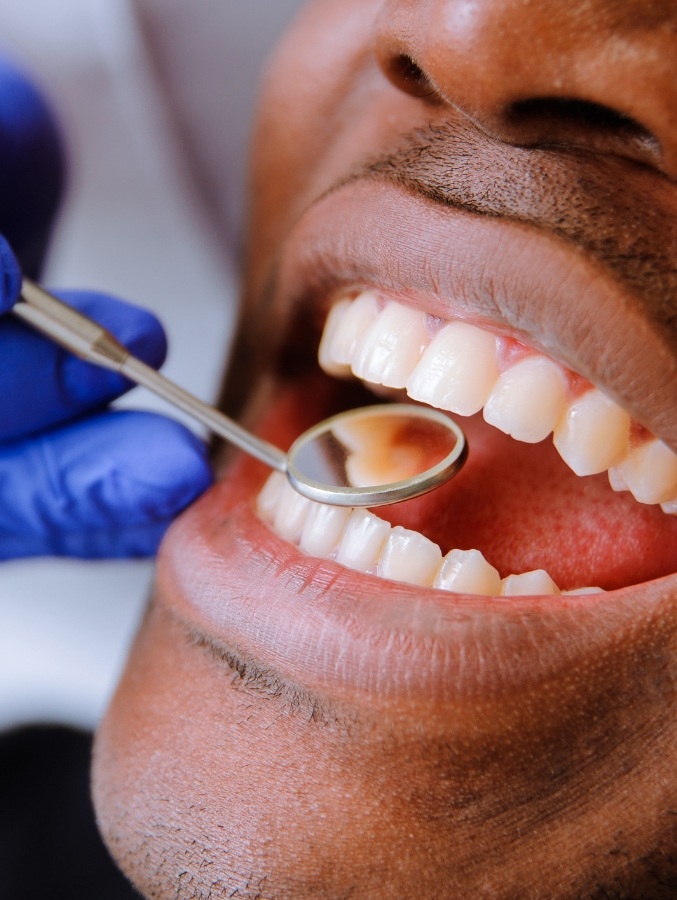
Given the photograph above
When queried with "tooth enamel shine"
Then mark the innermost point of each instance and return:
(408, 556)
(391, 346)
(290, 513)
(347, 328)
(322, 529)
(468, 572)
(535, 583)
(363, 538)
(649, 472)
(457, 371)
(528, 400)
(332, 349)
(268, 497)
(593, 434)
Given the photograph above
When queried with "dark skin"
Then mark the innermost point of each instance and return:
(287, 728)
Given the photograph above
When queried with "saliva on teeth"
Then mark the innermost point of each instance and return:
(360, 540)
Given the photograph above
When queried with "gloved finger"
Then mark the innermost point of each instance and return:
(42, 385)
(31, 167)
(106, 486)
(10, 276)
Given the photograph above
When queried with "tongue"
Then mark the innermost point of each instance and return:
(519, 504)
(524, 509)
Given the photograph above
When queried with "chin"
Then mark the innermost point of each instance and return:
(472, 693)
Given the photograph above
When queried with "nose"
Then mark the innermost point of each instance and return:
(598, 74)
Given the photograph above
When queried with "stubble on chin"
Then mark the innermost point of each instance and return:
(213, 779)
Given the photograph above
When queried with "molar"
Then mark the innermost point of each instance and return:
(267, 500)
(332, 348)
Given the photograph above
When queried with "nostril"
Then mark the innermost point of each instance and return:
(585, 123)
(405, 73)
(572, 111)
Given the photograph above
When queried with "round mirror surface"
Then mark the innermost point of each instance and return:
(376, 455)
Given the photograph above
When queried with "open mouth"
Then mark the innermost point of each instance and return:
(409, 602)
(565, 491)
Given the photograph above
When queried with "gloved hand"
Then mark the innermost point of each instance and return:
(31, 168)
(77, 479)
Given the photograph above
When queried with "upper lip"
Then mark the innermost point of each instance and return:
(513, 277)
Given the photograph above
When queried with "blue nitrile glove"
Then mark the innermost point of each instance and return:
(77, 479)
(31, 168)
(74, 478)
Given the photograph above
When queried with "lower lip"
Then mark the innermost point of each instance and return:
(329, 630)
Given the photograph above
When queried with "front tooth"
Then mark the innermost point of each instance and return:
(593, 435)
(468, 572)
(457, 370)
(344, 329)
(649, 472)
(363, 537)
(410, 557)
(391, 346)
(528, 584)
(269, 495)
(322, 529)
(670, 507)
(616, 480)
(290, 513)
(331, 349)
(528, 400)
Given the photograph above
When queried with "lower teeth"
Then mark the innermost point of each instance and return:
(361, 541)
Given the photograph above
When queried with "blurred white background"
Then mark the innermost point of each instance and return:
(155, 100)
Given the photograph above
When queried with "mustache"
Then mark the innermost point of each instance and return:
(616, 210)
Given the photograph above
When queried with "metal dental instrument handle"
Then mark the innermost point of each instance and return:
(341, 461)
(83, 337)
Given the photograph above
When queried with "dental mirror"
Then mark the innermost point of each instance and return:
(376, 455)
(363, 457)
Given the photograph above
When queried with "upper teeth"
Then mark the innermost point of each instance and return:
(459, 367)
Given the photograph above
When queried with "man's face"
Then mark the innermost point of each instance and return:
(319, 705)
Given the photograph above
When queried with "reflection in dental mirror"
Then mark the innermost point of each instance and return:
(376, 455)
